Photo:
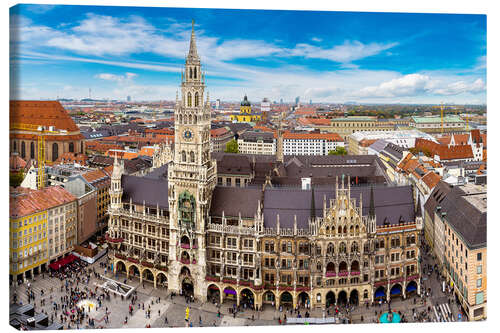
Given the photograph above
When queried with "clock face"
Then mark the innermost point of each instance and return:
(188, 135)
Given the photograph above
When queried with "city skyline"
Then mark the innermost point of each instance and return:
(62, 51)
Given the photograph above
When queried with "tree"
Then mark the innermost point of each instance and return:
(16, 178)
(338, 151)
(232, 147)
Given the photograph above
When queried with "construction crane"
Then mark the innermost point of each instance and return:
(41, 147)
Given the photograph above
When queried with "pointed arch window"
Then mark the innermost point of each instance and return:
(55, 151)
(190, 73)
(32, 150)
(342, 248)
(189, 101)
(71, 147)
(194, 76)
(23, 149)
(190, 119)
(191, 157)
(196, 99)
(183, 155)
(354, 247)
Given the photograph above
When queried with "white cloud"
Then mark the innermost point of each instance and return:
(408, 85)
(419, 84)
(316, 39)
(345, 53)
(121, 79)
(460, 87)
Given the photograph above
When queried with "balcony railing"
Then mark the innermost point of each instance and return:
(330, 274)
(343, 273)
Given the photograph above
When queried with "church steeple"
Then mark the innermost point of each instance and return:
(371, 211)
(193, 52)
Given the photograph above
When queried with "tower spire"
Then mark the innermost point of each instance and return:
(371, 211)
(313, 204)
(419, 209)
(193, 53)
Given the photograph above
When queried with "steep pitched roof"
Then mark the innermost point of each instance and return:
(148, 190)
(42, 113)
(26, 202)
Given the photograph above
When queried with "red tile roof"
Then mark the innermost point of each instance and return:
(315, 121)
(431, 179)
(44, 113)
(216, 132)
(72, 158)
(16, 163)
(444, 152)
(27, 202)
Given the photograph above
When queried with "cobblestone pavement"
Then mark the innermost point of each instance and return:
(175, 308)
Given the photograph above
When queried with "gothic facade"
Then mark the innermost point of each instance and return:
(177, 228)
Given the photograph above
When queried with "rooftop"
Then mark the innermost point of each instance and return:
(437, 119)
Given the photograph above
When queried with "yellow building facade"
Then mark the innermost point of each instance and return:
(28, 244)
(246, 115)
(29, 230)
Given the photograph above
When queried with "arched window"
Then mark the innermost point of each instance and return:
(191, 157)
(190, 119)
(81, 148)
(71, 147)
(23, 149)
(342, 248)
(351, 230)
(331, 248)
(55, 151)
(15, 146)
(354, 247)
(190, 102)
(340, 230)
(183, 154)
(196, 98)
(32, 150)
(194, 76)
(190, 73)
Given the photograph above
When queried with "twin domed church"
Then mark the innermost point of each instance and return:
(257, 229)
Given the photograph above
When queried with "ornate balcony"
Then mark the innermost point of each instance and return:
(343, 273)
(355, 273)
(330, 274)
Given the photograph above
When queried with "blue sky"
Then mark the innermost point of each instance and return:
(324, 56)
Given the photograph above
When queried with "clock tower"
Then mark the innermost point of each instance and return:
(191, 180)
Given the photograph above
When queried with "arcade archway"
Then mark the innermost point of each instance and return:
(229, 294)
(161, 280)
(247, 298)
(411, 288)
(354, 297)
(330, 299)
(380, 293)
(303, 299)
(396, 290)
(147, 275)
(213, 293)
(133, 271)
(268, 298)
(187, 286)
(286, 299)
(342, 298)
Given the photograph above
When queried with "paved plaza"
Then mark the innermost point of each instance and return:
(163, 306)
